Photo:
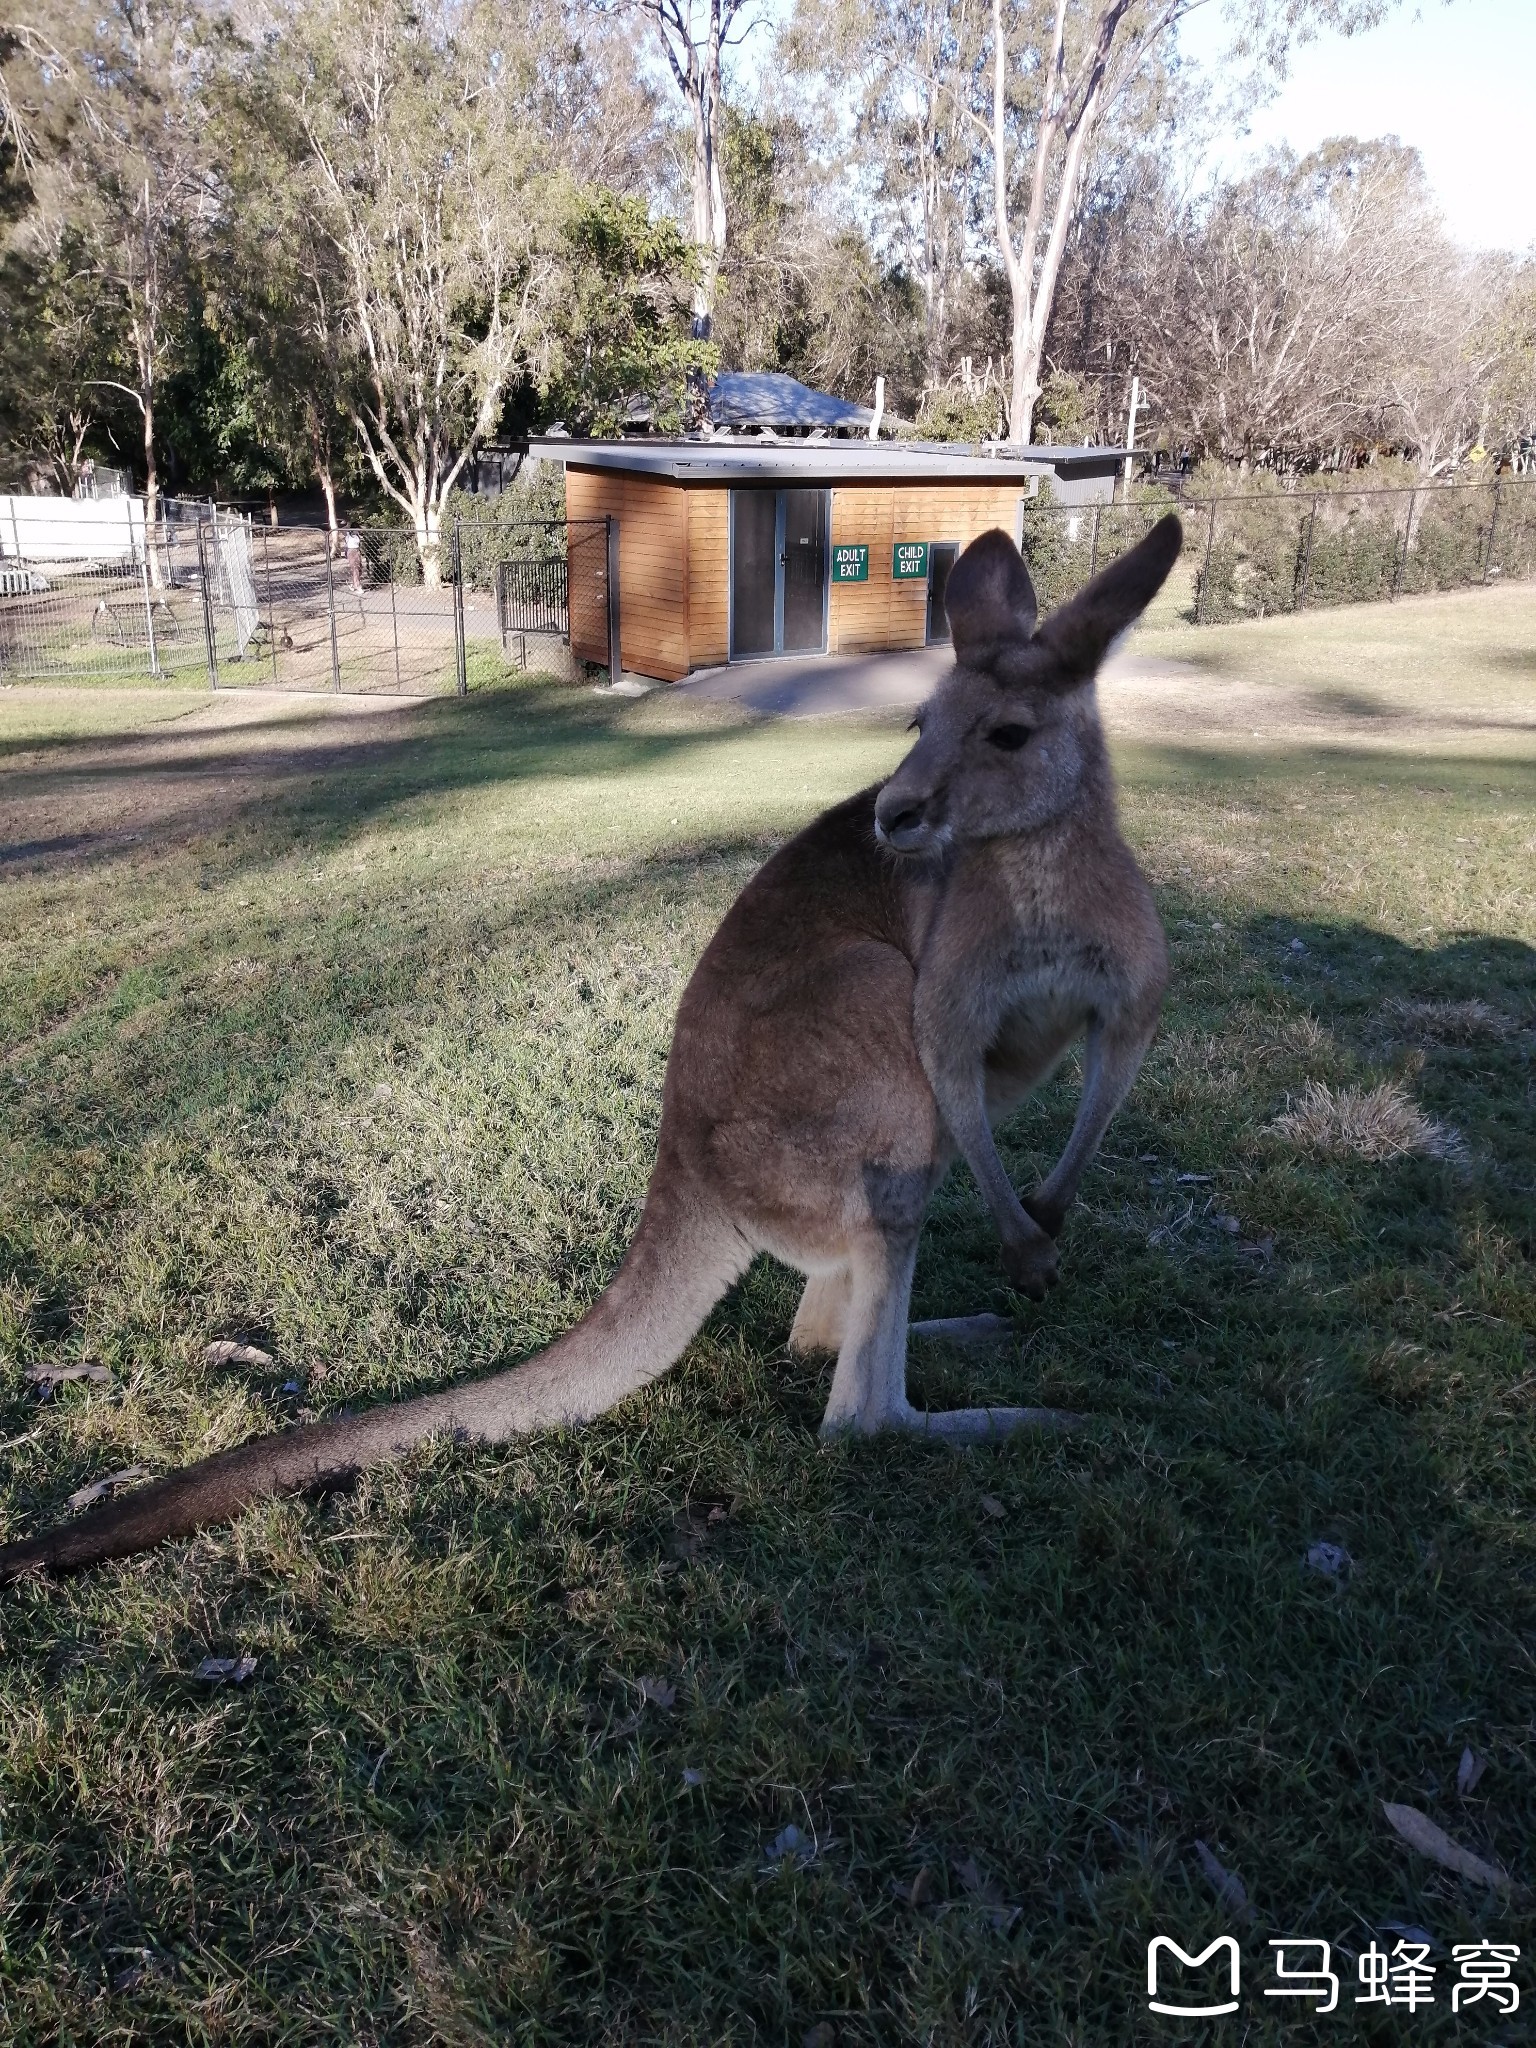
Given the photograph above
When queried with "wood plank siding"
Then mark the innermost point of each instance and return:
(709, 575)
(653, 571)
(867, 617)
(674, 563)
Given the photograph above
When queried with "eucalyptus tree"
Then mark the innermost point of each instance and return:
(693, 37)
(428, 182)
(1057, 71)
(887, 89)
(110, 133)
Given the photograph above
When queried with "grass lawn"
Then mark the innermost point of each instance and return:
(364, 1068)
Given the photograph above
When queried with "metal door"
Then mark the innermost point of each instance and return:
(803, 572)
(941, 559)
(754, 573)
(778, 572)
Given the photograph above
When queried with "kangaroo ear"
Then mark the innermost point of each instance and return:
(1078, 632)
(989, 597)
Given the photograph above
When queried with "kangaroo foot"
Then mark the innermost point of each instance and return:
(977, 1425)
(986, 1329)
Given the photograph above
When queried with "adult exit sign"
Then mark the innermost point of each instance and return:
(850, 562)
(909, 561)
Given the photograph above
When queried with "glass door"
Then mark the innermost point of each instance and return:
(779, 560)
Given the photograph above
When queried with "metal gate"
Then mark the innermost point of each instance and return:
(215, 596)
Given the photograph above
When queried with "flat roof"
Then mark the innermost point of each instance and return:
(727, 461)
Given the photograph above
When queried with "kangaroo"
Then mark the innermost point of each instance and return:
(889, 985)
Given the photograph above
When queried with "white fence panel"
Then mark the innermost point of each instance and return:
(49, 531)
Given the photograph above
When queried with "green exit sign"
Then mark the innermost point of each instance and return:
(850, 562)
(909, 561)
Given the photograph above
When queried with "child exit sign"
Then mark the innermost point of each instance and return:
(909, 561)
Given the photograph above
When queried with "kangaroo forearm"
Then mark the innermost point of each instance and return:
(962, 1104)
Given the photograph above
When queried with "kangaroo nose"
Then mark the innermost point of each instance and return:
(902, 817)
(902, 822)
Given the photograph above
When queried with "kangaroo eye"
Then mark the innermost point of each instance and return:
(1009, 737)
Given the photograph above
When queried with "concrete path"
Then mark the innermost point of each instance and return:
(811, 686)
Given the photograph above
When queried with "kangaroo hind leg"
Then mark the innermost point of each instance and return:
(869, 1384)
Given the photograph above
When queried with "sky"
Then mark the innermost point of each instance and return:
(1455, 80)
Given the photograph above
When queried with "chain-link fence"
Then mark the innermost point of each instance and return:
(215, 595)
(86, 594)
(1285, 552)
(1252, 556)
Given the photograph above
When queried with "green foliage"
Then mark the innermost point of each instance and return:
(624, 319)
(1332, 543)
(1064, 545)
(526, 520)
(951, 413)
(1067, 409)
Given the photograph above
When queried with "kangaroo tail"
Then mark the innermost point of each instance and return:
(683, 1258)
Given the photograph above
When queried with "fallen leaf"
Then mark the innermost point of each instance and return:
(987, 1893)
(657, 1693)
(46, 1377)
(1469, 1772)
(1421, 1833)
(922, 1888)
(1406, 1931)
(1229, 1224)
(823, 2034)
(691, 1778)
(1328, 1560)
(227, 1351)
(991, 1505)
(1193, 1180)
(792, 1850)
(1226, 1884)
(225, 1670)
(100, 1488)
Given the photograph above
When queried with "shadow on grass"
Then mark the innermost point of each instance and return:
(1047, 1666)
(516, 736)
(1472, 774)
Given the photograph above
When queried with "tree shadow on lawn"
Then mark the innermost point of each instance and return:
(1065, 1694)
(1056, 1663)
(514, 737)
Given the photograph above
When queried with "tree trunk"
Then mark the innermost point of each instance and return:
(428, 521)
(328, 486)
(1025, 386)
(151, 494)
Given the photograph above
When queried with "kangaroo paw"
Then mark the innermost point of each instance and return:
(979, 1425)
(985, 1329)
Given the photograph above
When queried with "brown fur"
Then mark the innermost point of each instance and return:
(890, 984)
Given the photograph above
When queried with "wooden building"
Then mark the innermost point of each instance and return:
(744, 550)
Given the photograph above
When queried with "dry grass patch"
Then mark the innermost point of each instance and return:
(1364, 1123)
(1473, 1022)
